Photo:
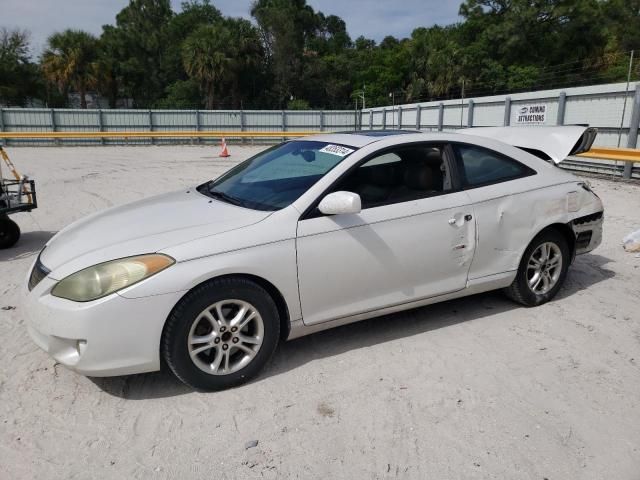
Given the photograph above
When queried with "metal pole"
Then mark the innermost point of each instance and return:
(626, 94)
(1, 125)
(52, 117)
(470, 114)
(399, 117)
(355, 115)
(321, 120)
(101, 124)
(462, 103)
(384, 119)
(284, 124)
(197, 124)
(151, 126)
(632, 138)
(418, 115)
(507, 112)
(562, 103)
(370, 119)
(440, 116)
(242, 125)
(393, 109)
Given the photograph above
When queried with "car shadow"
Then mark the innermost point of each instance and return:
(30, 244)
(587, 270)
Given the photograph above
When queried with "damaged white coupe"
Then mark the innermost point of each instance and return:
(307, 235)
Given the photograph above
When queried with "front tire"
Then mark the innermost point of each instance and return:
(542, 270)
(221, 334)
(9, 232)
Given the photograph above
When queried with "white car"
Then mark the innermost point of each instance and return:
(307, 235)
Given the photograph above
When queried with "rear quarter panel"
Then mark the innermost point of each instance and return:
(509, 215)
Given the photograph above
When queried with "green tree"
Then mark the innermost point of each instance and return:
(193, 14)
(18, 75)
(286, 27)
(208, 58)
(139, 41)
(68, 61)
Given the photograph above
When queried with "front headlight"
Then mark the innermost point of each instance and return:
(105, 278)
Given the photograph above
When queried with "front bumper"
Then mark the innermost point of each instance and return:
(109, 336)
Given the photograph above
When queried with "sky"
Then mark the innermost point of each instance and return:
(371, 18)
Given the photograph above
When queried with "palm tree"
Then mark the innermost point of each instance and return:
(68, 61)
(208, 57)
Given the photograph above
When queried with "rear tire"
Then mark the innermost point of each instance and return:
(542, 270)
(221, 334)
(9, 232)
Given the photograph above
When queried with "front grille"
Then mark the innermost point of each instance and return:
(37, 274)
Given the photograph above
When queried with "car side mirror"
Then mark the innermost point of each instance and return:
(338, 203)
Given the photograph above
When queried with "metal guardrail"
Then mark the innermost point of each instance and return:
(600, 167)
(597, 156)
(611, 153)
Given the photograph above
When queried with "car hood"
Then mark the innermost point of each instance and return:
(144, 226)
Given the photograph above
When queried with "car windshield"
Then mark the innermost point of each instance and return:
(275, 178)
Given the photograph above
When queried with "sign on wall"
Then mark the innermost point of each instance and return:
(535, 114)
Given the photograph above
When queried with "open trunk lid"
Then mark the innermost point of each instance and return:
(555, 143)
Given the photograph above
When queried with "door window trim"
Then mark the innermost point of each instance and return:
(449, 156)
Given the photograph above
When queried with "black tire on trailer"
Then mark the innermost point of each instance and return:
(9, 232)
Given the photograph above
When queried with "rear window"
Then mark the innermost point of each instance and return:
(484, 167)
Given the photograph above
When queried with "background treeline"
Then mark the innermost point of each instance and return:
(295, 57)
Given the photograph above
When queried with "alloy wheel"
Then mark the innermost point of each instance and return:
(225, 337)
(544, 268)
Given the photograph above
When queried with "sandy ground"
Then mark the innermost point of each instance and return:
(472, 388)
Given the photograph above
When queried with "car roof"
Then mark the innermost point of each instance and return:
(546, 142)
(358, 138)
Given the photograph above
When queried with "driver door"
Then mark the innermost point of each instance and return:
(413, 239)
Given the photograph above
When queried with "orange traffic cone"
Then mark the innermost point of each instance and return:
(225, 150)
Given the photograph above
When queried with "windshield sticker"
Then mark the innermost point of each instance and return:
(337, 150)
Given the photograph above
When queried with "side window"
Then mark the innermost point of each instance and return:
(401, 175)
(483, 167)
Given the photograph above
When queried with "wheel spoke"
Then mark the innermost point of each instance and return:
(249, 340)
(238, 316)
(198, 339)
(215, 366)
(553, 263)
(246, 350)
(534, 287)
(241, 323)
(226, 358)
(545, 252)
(221, 319)
(214, 323)
(198, 350)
